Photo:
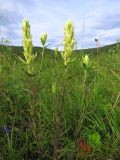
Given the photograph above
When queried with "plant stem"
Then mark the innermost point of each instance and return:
(40, 68)
(42, 58)
(82, 109)
(84, 81)
(58, 119)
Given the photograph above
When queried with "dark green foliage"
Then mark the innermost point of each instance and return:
(55, 113)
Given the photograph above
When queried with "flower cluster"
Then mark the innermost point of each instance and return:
(68, 42)
(27, 46)
(85, 61)
(43, 38)
(6, 129)
(85, 148)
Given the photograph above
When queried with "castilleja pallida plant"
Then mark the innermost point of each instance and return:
(68, 42)
(43, 38)
(85, 61)
(27, 46)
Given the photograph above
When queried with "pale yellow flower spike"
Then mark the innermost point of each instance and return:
(68, 42)
(27, 46)
(43, 38)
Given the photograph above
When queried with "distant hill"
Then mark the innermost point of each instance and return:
(19, 49)
(101, 49)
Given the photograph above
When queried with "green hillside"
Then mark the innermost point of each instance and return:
(19, 49)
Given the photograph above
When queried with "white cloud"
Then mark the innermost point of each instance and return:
(50, 16)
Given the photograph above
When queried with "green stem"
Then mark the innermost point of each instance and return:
(82, 109)
(41, 63)
(84, 81)
(58, 120)
(42, 58)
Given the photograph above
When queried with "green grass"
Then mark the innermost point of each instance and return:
(52, 115)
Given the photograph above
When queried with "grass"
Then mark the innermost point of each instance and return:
(58, 114)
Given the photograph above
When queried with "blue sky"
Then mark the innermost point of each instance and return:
(92, 19)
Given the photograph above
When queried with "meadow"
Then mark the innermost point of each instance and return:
(59, 105)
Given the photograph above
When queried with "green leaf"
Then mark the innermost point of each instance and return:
(95, 139)
(72, 59)
(23, 61)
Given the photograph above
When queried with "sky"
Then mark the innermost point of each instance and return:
(91, 18)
